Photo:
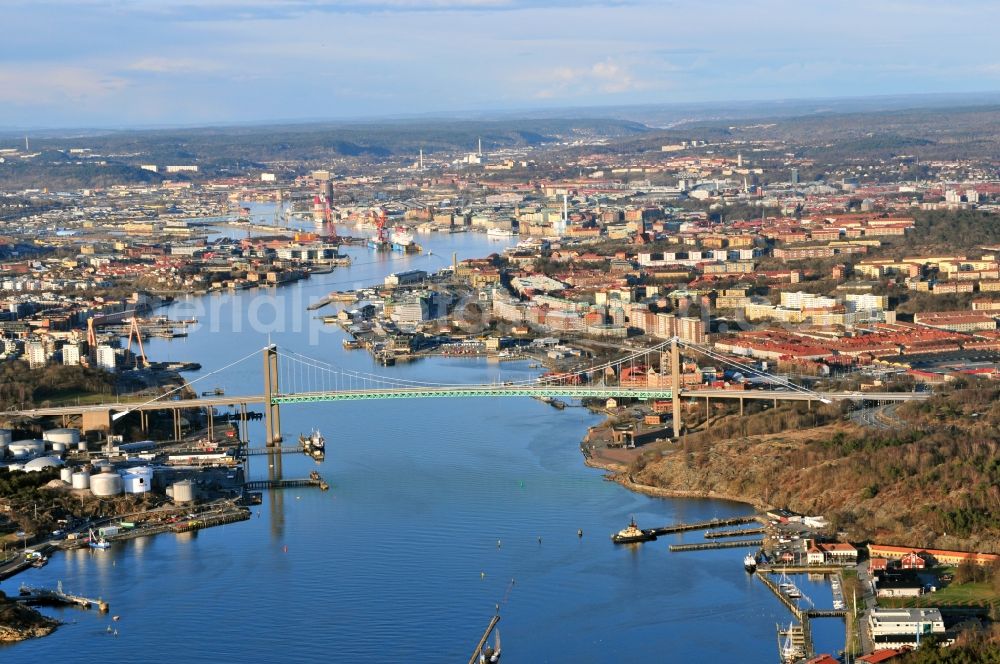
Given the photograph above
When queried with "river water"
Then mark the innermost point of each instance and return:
(439, 510)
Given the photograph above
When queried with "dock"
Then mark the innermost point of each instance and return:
(733, 533)
(261, 451)
(29, 595)
(733, 544)
(262, 485)
(789, 604)
(704, 525)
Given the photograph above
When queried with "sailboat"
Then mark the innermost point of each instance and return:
(491, 655)
(98, 542)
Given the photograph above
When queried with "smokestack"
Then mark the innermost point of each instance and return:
(565, 208)
(421, 159)
(454, 262)
(480, 147)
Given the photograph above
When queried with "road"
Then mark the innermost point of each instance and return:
(880, 417)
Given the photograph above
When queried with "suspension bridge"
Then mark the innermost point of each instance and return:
(652, 373)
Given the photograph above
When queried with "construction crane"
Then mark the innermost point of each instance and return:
(380, 220)
(134, 330)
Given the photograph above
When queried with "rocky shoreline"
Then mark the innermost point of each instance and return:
(619, 473)
(19, 622)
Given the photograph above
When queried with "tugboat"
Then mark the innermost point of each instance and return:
(632, 534)
(750, 563)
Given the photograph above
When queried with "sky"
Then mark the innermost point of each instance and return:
(121, 63)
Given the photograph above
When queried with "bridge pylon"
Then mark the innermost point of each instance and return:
(675, 386)
(272, 411)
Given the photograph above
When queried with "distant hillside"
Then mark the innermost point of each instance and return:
(221, 151)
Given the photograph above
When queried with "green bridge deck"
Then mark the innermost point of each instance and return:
(569, 391)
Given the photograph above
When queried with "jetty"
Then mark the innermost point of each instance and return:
(731, 544)
(704, 525)
(57, 597)
(261, 451)
(262, 485)
(733, 533)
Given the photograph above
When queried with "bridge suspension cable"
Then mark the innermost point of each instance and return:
(187, 383)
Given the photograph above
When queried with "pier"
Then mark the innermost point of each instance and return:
(733, 533)
(734, 544)
(260, 451)
(704, 525)
(29, 595)
(789, 604)
(261, 485)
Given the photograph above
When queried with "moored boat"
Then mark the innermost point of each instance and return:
(750, 563)
(98, 542)
(314, 442)
(632, 533)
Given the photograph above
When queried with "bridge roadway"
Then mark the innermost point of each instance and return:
(488, 390)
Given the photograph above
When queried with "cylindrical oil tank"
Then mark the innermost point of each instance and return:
(137, 480)
(66, 475)
(66, 436)
(58, 448)
(81, 480)
(103, 466)
(23, 449)
(106, 484)
(183, 491)
(82, 446)
(5, 439)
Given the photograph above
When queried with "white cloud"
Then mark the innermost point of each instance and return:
(605, 77)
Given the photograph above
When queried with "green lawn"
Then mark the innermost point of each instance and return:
(967, 594)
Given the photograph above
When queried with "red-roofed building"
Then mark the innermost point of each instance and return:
(880, 656)
(823, 659)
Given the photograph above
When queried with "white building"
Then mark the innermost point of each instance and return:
(71, 354)
(894, 628)
(37, 356)
(106, 358)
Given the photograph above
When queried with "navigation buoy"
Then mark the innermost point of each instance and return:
(579, 533)
(482, 575)
(286, 548)
(539, 539)
(498, 544)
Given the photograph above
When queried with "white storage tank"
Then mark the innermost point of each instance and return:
(106, 484)
(82, 446)
(66, 436)
(25, 449)
(6, 436)
(41, 463)
(66, 475)
(183, 491)
(59, 448)
(103, 466)
(81, 480)
(137, 480)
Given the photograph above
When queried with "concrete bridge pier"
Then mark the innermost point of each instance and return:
(272, 411)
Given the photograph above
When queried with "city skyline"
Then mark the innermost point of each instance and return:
(174, 62)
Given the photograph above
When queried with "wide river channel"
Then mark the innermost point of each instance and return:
(435, 506)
